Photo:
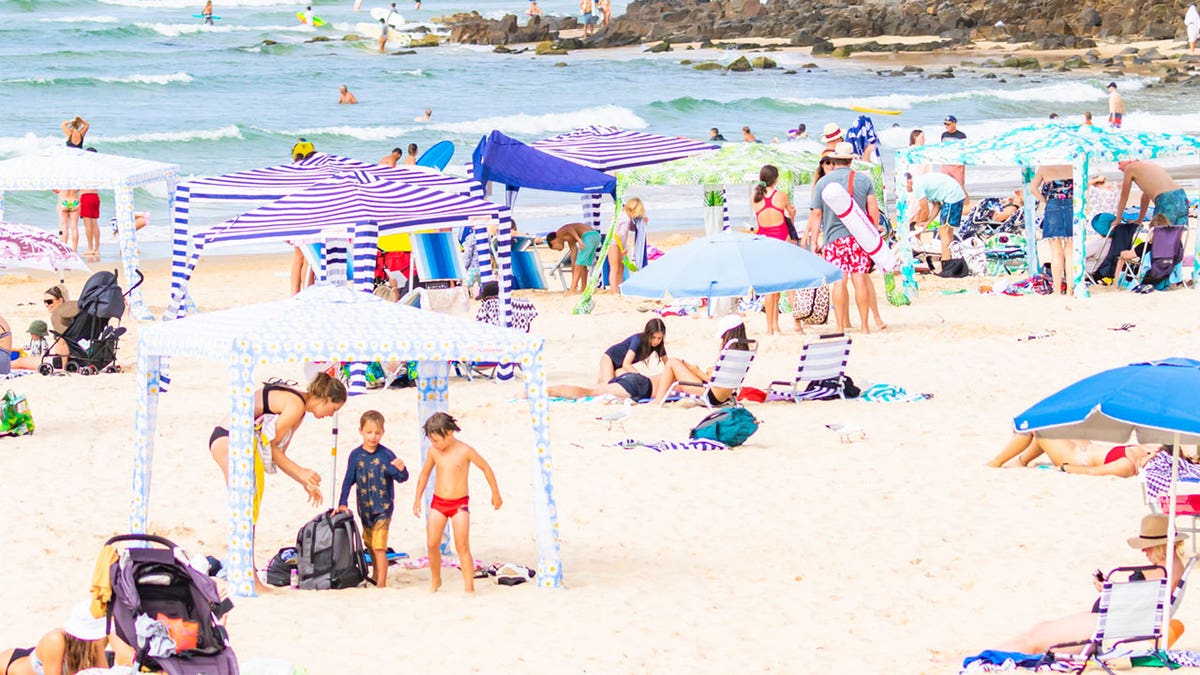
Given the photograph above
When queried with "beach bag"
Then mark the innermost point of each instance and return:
(812, 305)
(836, 387)
(329, 553)
(279, 570)
(731, 427)
(954, 268)
(15, 418)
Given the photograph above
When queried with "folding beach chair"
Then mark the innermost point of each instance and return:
(527, 265)
(822, 360)
(728, 373)
(435, 258)
(1161, 263)
(523, 314)
(1131, 611)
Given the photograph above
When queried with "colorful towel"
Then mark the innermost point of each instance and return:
(890, 393)
(423, 563)
(1158, 474)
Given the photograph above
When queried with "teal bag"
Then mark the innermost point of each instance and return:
(731, 427)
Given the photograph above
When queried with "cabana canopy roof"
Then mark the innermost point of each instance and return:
(71, 169)
(506, 160)
(609, 148)
(732, 164)
(330, 208)
(1051, 143)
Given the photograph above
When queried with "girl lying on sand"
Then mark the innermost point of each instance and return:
(1077, 456)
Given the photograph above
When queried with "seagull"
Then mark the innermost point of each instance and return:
(618, 417)
(848, 432)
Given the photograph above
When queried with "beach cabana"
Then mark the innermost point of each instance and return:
(1026, 147)
(70, 169)
(273, 182)
(356, 208)
(312, 326)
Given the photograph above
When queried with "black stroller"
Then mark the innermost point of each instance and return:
(92, 337)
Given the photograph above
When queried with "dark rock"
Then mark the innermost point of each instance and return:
(740, 65)
(352, 37)
(810, 66)
(403, 52)
(569, 44)
(912, 69)
(663, 46)
(1021, 63)
(685, 62)
(548, 48)
(319, 38)
(268, 43)
(763, 63)
(940, 76)
(501, 49)
(822, 46)
(789, 72)
(708, 65)
(1074, 62)
(561, 64)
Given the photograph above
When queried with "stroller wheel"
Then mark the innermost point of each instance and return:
(87, 370)
(46, 369)
(72, 367)
(112, 368)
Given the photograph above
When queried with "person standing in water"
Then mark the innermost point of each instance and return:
(75, 130)
(207, 13)
(383, 35)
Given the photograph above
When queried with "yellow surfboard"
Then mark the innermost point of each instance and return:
(875, 111)
(317, 21)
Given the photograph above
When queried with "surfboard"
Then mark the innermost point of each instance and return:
(859, 224)
(357, 5)
(317, 21)
(201, 16)
(876, 111)
(438, 156)
(378, 13)
(371, 30)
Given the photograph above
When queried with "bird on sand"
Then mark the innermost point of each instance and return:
(618, 417)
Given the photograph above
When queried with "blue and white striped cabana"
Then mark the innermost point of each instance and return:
(270, 183)
(357, 208)
(312, 326)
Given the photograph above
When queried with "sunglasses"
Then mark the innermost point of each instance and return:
(826, 162)
(947, 123)
(48, 302)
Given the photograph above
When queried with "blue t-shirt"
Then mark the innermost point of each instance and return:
(373, 474)
(938, 187)
(616, 353)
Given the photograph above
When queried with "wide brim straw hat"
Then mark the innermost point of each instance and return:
(1153, 532)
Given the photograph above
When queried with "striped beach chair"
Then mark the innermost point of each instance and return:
(728, 373)
(821, 360)
(1131, 611)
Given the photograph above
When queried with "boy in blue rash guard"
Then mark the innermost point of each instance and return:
(373, 469)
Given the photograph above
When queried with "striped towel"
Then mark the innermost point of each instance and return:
(660, 446)
(890, 393)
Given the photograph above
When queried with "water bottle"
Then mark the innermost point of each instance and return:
(295, 578)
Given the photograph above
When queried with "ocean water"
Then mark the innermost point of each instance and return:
(156, 83)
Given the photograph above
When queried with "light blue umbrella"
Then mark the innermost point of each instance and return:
(730, 264)
(1155, 400)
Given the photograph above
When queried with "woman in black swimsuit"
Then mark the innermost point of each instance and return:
(75, 130)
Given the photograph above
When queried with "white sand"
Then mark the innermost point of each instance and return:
(794, 553)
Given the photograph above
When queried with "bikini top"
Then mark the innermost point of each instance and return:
(75, 145)
(266, 391)
(1058, 189)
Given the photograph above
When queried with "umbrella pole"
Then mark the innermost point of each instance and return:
(333, 473)
(1171, 508)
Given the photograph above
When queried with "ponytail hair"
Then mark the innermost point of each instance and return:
(328, 388)
(766, 178)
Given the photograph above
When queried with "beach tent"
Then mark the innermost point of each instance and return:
(270, 183)
(1027, 147)
(71, 169)
(312, 326)
(358, 208)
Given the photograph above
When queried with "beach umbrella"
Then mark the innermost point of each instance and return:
(730, 264)
(22, 246)
(1153, 399)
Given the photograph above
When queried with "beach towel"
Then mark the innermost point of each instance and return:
(663, 446)
(1158, 474)
(999, 658)
(862, 134)
(101, 586)
(890, 393)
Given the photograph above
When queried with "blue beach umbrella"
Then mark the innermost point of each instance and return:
(1154, 400)
(730, 264)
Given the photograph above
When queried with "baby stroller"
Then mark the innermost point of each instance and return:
(91, 337)
(168, 610)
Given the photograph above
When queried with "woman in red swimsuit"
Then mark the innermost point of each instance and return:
(1077, 456)
(772, 208)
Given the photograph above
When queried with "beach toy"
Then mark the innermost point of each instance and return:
(859, 224)
(1103, 222)
(317, 21)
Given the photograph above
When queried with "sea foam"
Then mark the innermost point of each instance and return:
(535, 125)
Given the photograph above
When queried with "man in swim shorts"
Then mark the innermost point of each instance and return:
(583, 242)
(945, 190)
(1157, 185)
(1116, 106)
(345, 97)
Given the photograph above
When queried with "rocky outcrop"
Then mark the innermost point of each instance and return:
(1050, 24)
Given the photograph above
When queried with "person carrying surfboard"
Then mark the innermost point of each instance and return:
(207, 13)
(841, 248)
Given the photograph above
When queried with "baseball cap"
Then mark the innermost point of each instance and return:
(951, 118)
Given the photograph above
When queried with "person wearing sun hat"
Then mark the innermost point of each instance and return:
(832, 135)
(730, 334)
(78, 645)
(1152, 541)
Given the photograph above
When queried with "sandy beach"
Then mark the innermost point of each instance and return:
(794, 553)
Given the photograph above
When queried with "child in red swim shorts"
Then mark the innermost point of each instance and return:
(453, 460)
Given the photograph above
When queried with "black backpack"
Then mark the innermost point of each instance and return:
(330, 554)
(279, 570)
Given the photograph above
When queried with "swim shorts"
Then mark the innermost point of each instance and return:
(588, 19)
(375, 537)
(89, 205)
(638, 386)
(1173, 205)
(1114, 120)
(586, 255)
(951, 214)
(847, 255)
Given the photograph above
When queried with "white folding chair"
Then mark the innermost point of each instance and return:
(728, 373)
(822, 359)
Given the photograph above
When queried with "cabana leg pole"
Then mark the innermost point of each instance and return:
(545, 508)
(1079, 240)
(145, 421)
(433, 385)
(904, 232)
(127, 238)
(241, 479)
(1031, 253)
(1170, 553)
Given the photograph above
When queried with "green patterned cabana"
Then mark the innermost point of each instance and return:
(1027, 147)
(70, 169)
(326, 323)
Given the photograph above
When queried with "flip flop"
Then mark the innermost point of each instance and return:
(1125, 326)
